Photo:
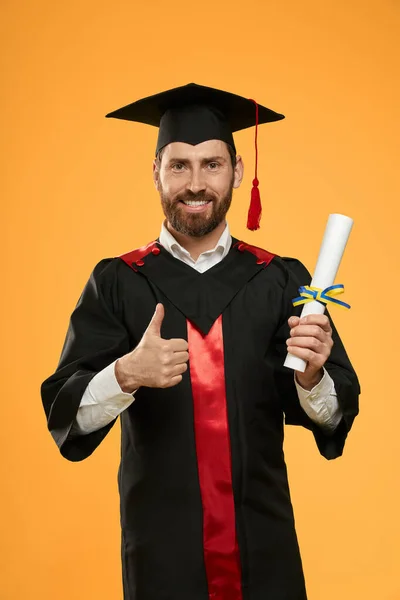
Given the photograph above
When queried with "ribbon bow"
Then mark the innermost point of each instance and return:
(310, 293)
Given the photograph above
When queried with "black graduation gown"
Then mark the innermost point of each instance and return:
(205, 505)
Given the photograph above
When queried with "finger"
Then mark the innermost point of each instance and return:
(320, 320)
(311, 357)
(309, 331)
(174, 381)
(308, 342)
(178, 345)
(179, 369)
(180, 358)
(293, 321)
(154, 327)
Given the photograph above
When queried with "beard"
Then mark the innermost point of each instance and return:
(196, 224)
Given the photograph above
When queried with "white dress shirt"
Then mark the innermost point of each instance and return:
(103, 399)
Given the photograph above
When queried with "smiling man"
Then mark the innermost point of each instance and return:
(196, 185)
(201, 178)
(184, 339)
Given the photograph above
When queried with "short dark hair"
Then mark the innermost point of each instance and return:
(231, 151)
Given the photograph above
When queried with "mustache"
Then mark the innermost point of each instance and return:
(201, 196)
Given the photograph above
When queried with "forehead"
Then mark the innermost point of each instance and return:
(197, 152)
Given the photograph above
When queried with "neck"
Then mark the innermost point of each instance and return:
(196, 245)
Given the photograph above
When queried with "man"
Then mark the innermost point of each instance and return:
(185, 340)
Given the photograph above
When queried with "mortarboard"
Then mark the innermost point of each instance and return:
(195, 113)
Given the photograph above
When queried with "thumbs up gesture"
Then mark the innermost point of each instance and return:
(154, 362)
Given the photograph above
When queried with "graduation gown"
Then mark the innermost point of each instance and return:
(206, 512)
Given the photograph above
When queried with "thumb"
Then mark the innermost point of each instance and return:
(154, 327)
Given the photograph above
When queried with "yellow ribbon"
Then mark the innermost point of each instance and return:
(310, 293)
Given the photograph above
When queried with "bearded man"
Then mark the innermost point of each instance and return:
(184, 339)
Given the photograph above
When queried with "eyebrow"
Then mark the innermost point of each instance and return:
(186, 161)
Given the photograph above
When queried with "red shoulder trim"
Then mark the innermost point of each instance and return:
(263, 256)
(135, 257)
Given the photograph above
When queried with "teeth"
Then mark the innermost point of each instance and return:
(195, 203)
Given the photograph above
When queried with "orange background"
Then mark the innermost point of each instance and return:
(76, 187)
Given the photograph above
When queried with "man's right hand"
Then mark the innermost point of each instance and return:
(154, 362)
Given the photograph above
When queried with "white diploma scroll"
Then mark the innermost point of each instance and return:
(335, 239)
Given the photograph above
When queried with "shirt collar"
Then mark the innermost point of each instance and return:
(169, 242)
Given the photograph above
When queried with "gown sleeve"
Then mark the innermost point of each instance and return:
(95, 338)
(339, 367)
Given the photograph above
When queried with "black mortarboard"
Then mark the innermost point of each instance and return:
(193, 114)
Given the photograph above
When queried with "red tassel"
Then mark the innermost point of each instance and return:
(254, 216)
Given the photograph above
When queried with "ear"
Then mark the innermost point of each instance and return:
(238, 172)
(156, 174)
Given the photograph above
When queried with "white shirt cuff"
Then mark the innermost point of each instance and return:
(104, 389)
(321, 403)
(103, 401)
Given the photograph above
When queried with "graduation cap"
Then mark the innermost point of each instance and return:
(195, 113)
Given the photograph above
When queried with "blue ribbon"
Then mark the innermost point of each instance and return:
(310, 293)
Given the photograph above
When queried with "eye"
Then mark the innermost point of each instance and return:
(213, 165)
(178, 167)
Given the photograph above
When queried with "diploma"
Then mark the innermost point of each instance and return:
(334, 242)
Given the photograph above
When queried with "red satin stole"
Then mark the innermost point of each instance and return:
(207, 374)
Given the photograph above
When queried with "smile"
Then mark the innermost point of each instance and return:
(195, 202)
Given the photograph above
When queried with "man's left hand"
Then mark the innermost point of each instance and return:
(311, 340)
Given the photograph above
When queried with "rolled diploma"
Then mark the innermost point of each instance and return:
(334, 242)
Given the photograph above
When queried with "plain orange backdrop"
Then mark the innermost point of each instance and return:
(76, 187)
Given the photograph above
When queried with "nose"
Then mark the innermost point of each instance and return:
(197, 181)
